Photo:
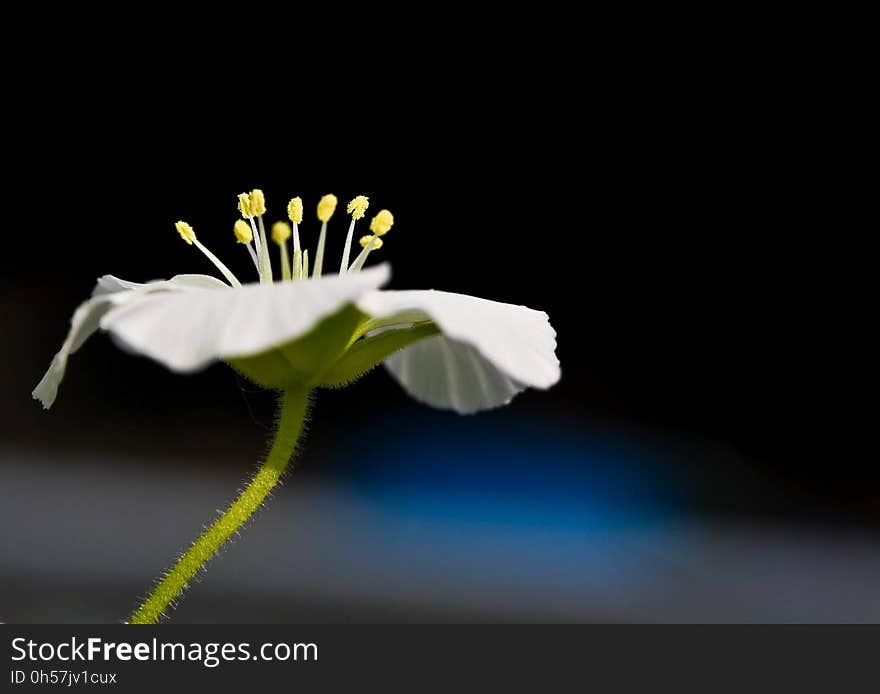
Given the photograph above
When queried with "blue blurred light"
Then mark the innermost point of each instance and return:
(503, 469)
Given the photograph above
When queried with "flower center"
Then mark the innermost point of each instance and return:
(250, 231)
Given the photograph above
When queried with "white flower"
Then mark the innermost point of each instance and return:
(447, 350)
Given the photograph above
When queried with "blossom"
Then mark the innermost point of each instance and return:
(309, 330)
(446, 350)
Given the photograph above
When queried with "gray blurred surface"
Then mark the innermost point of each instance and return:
(80, 546)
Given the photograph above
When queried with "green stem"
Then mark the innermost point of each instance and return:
(292, 412)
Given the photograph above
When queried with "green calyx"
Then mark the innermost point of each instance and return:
(333, 354)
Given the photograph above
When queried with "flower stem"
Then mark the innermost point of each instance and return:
(294, 404)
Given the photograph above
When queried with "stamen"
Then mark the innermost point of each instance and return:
(256, 235)
(357, 208)
(368, 243)
(242, 232)
(258, 202)
(280, 234)
(244, 235)
(189, 235)
(186, 232)
(371, 240)
(244, 206)
(305, 264)
(326, 208)
(295, 212)
(297, 252)
(297, 264)
(258, 209)
(382, 223)
(264, 248)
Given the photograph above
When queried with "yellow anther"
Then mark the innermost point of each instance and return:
(382, 222)
(258, 202)
(186, 232)
(326, 207)
(365, 241)
(281, 231)
(243, 231)
(295, 210)
(357, 208)
(244, 205)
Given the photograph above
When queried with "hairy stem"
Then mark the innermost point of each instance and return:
(292, 412)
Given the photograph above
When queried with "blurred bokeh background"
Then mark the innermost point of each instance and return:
(688, 467)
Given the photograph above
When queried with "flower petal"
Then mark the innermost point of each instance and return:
(84, 323)
(108, 284)
(187, 330)
(196, 282)
(488, 351)
(109, 292)
(451, 375)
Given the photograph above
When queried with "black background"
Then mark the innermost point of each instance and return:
(653, 212)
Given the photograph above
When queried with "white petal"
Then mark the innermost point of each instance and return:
(85, 321)
(451, 375)
(109, 291)
(108, 284)
(487, 353)
(196, 282)
(187, 330)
